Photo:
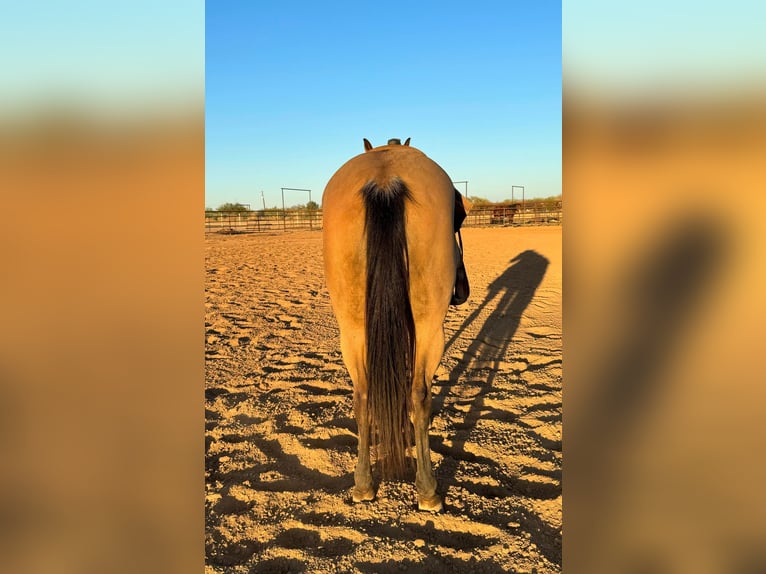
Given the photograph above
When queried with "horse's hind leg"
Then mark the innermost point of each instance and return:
(363, 488)
(427, 360)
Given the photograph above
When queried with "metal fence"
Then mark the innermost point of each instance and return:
(262, 220)
(528, 213)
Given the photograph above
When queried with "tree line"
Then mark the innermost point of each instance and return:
(310, 206)
(549, 202)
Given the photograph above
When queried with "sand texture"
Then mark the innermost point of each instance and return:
(280, 434)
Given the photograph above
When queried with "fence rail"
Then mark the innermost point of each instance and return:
(260, 221)
(529, 213)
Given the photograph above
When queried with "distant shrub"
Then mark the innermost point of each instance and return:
(233, 207)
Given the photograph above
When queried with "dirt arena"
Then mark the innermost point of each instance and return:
(280, 434)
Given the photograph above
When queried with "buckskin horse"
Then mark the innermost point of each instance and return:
(393, 266)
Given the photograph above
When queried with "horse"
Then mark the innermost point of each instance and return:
(391, 258)
(504, 213)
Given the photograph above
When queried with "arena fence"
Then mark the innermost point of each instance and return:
(261, 220)
(527, 213)
(275, 220)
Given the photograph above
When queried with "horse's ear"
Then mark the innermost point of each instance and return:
(367, 145)
(407, 141)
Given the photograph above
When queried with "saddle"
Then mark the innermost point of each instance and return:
(461, 289)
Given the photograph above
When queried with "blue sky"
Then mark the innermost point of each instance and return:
(292, 87)
(686, 47)
(116, 58)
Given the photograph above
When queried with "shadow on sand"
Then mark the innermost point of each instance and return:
(510, 294)
(499, 314)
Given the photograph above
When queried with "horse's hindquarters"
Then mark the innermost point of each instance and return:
(390, 261)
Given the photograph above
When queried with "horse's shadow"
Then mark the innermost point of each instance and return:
(508, 296)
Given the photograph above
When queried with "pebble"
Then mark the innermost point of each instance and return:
(419, 542)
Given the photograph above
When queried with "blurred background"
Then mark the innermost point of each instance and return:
(101, 351)
(663, 149)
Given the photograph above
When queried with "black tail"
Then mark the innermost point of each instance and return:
(389, 326)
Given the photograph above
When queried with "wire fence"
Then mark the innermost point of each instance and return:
(276, 220)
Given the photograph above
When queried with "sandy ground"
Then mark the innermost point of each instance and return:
(280, 435)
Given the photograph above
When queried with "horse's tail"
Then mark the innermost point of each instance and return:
(389, 325)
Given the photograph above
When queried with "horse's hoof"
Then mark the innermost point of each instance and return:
(362, 495)
(431, 503)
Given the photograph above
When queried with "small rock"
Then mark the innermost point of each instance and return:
(419, 542)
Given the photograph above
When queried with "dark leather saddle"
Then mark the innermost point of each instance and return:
(461, 289)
